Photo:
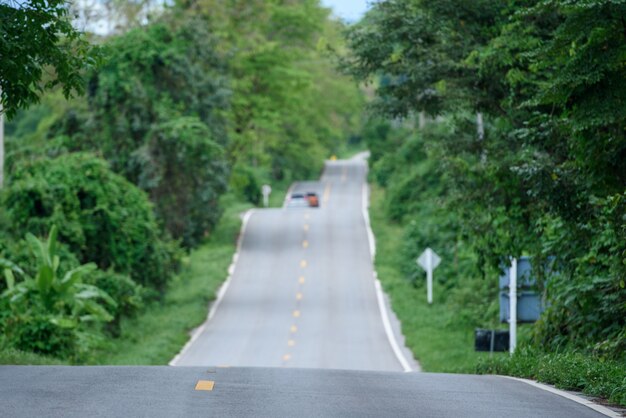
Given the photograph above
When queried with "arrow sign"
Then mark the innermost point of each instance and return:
(429, 260)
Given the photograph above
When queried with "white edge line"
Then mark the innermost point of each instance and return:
(289, 190)
(219, 294)
(379, 291)
(589, 404)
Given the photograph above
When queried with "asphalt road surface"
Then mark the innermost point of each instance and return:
(302, 293)
(30, 391)
(302, 309)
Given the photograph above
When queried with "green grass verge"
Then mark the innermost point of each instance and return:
(442, 343)
(438, 342)
(568, 370)
(16, 357)
(158, 333)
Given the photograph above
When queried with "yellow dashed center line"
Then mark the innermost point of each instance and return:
(293, 329)
(296, 314)
(298, 296)
(287, 357)
(303, 263)
(301, 280)
(327, 193)
(306, 227)
(305, 244)
(205, 385)
(291, 343)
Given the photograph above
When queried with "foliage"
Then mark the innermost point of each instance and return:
(543, 176)
(36, 37)
(157, 333)
(184, 173)
(47, 311)
(566, 370)
(128, 296)
(289, 108)
(101, 217)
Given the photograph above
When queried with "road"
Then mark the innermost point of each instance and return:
(269, 392)
(298, 332)
(302, 293)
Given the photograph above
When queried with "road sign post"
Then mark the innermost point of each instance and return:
(513, 305)
(429, 260)
(266, 190)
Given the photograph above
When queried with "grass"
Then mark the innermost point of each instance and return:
(159, 332)
(442, 343)
(567, 370)
(438, 342)
(17, 357)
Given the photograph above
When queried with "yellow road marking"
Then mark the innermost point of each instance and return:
(305, 244)
(287, 357)
(327, 193)
(298, 296)
(205, 385)
(291, 343)
(301, 280)
(296, 314)
(293, 329)
(306, 227)
(303, 263)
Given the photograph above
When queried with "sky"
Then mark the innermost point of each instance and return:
(350, 10)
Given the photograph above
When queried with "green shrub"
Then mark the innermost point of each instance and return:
(184, 171)
(127, 294)
(47, 313)
(244, 182)
(101, 217)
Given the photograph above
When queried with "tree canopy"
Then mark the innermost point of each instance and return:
(39, 49)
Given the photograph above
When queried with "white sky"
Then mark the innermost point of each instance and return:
(350, 10)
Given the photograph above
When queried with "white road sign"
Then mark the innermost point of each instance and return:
(429, 260)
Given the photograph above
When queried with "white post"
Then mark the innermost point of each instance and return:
(513, 306)
(429, 277)
(422, 119)
(480, 126)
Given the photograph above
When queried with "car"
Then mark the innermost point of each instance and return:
(298, 200)
(314, 200)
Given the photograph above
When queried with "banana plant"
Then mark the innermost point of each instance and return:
(66, 299)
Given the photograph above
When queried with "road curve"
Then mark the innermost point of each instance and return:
(302, 293)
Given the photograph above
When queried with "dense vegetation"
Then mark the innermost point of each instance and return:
(200, 101)
(512, 143)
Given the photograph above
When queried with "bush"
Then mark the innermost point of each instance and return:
(48, 313)
(127, 294)
(101, 217)
(244, 182)
(184, 171)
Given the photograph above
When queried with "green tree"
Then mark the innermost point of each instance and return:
(37, 37)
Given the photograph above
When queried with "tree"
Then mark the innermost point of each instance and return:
(39, 49)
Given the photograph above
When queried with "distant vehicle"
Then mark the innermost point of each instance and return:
(298, 200)
(314, 200)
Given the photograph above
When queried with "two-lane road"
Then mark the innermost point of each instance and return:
(302, 293)
(301, 306)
